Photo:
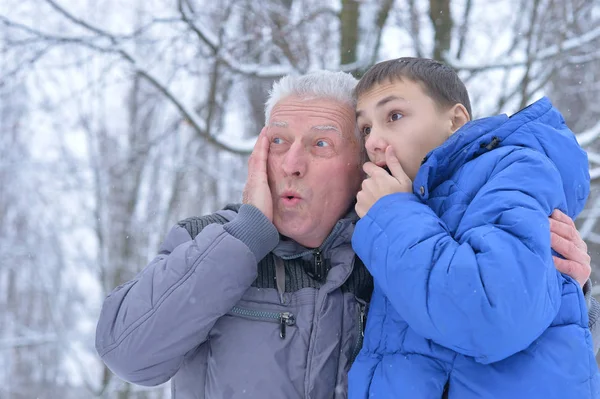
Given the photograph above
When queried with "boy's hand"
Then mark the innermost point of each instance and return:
(379, 183)
(565, 240)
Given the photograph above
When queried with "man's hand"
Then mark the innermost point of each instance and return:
(565, 240)
(256, 190)
(379, 183)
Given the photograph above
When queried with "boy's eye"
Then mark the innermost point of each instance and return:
(395, 116)
(366, 130)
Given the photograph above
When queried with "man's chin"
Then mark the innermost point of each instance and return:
(292, 227)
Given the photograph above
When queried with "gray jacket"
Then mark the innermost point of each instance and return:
(203, 313)
(227, 310)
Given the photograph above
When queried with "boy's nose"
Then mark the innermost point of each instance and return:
(375, 145)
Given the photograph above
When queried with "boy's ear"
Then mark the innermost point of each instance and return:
(458, 117)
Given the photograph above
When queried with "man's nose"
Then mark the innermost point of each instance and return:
(294, 161)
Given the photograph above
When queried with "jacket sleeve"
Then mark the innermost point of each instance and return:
(148, 324)
(489, 290)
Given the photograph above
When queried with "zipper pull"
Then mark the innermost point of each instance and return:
(362, 321)
(285, 319)
(318, 270)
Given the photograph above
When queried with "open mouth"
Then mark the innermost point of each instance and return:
(383, 166)
(290, 198)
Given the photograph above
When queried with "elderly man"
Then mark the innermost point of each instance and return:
(266, 299)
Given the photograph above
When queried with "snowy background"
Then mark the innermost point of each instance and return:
(120, 117)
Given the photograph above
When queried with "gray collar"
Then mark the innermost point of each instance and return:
(340, 236)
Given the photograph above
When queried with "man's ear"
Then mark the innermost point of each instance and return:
(458, 117)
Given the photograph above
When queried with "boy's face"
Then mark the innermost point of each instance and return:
(399, 114)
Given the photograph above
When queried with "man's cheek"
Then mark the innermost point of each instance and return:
(271, 178)
(272, 166)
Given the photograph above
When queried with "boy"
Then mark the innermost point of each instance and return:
(467, 302)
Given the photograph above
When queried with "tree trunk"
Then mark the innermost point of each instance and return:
(348, 31)
(439, 13)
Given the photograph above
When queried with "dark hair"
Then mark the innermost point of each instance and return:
(439, 81)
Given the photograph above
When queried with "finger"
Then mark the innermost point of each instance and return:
(359, 210)
(569, 250)
(364, 185)
(258, 140)
(360, 203)
(373, 170)
(573, 269)
(561, 217)
(257, 164)
(394, 165)
(567, 232)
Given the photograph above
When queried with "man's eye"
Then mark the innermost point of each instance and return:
(277, 140)
(322, 143)
(366, 130)
(395, 116)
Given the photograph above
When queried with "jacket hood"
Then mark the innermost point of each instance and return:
(539, 127)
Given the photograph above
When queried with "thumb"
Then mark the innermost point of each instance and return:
(393, 164)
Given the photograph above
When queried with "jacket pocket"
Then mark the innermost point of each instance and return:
(284, 319)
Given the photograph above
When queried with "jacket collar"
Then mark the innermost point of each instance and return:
(472, 140)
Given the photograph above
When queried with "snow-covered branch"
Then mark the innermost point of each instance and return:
(29, 340)
(589, 136)
(507, 62)
(186, 111)
(569, 44)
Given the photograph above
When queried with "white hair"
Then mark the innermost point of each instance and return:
(337, 86)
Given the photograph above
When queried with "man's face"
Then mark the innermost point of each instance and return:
(313, 166)
(399, 114)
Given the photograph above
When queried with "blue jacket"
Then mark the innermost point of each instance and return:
(466, 295)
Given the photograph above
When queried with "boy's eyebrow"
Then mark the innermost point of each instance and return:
(382, 102)
(387, 99)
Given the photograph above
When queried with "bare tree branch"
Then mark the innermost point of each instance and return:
(540, 56)
(464, 29)
(382, 17)
(415, 27)
(588, 137)
(193, 119)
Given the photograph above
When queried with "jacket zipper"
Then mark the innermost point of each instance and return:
(318, 259)
(317, 272)
(361, 331)
(285, 319)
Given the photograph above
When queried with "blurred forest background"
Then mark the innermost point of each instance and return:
(118, 118)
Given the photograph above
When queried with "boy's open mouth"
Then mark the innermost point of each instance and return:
(383, 166)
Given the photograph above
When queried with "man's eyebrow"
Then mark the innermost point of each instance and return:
(325, 127)
(279, 124)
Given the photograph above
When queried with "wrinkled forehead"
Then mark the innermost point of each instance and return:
(320, 114)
